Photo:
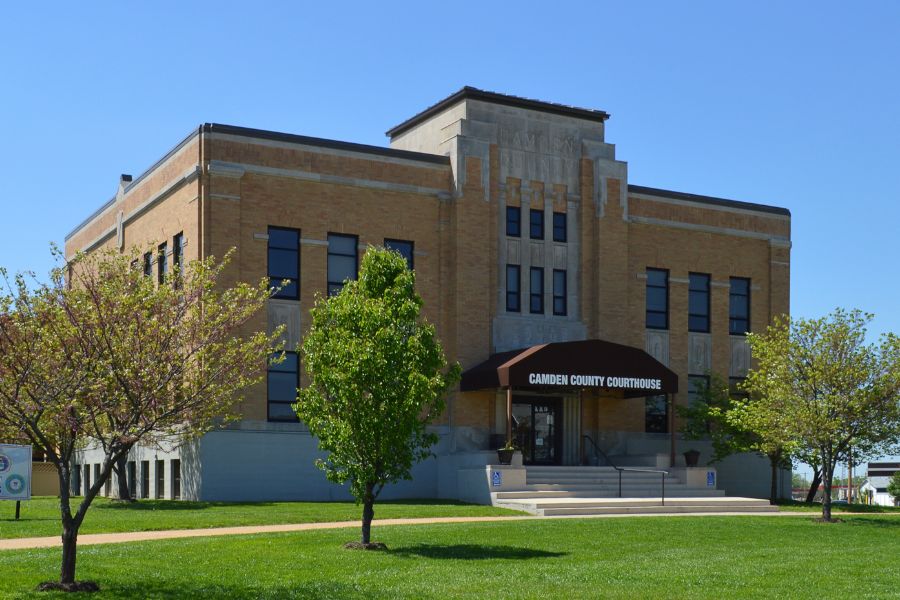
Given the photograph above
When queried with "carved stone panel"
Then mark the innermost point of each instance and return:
(537, 254)
(740, 356)
(699, 353)
(512, 252)
(287, 313)
(559, 257)
(658, 345)
(511, 332)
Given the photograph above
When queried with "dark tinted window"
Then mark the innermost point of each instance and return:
(739, 306)
(342, 261)
(513, 302)
(536, 304)
(657, 299)
(513, 221)
(148, 264)
(404, 248)
(560, 233)
(559, 292)
(284, 262)
(178, 257)
(162, 263)
(282, 381)
(698, 302)
(656, 414)
(537, 224)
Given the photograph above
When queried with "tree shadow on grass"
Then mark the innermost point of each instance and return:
(173, 505)
(471, 552)
(867, 521)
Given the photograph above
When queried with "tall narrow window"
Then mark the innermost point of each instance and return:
(559, 292)
(76, 480)
(162, 264)
(560, 228)
(87, 479)
(513, 276)
(342, 261)
(698, 302)
(176, 479)
(657, 299)
(132, 479)
(405, 248)
(739, 306)
(698, 390)
(513, 221)
(656, 414)
(178, 257)
(148, 264)
(145, 479)
(284, 262)
(537, 224)
(160, 479)
(536, 293)
(282, 381)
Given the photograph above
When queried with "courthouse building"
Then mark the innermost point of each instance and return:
(580, 305)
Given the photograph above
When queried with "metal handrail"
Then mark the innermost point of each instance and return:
(621, 470)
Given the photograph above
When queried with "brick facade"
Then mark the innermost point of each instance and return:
(445, 184)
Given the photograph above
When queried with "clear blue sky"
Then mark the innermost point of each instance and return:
(790, 103)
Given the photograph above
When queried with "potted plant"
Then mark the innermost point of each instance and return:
(691, 457)
(505, 454)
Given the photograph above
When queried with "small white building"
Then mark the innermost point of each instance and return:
(875, 487)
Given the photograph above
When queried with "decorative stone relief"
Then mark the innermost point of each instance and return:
(287, 313)
(512, 252)
(513, 332)
(559, 257)
(537, 254)
(699, 353)
(740, 356)
(657, 345)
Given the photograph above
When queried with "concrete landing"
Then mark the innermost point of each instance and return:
(579, 506)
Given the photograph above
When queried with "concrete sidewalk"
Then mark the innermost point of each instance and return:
(90, 539)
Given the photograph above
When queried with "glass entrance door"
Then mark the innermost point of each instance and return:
(536, 429)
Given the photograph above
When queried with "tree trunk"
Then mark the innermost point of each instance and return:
(121, 470)
(69, 546)
(816, 482)
(368, 513)
(774, 460)
(827, 476)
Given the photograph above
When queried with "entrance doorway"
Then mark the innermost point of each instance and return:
(537, 424)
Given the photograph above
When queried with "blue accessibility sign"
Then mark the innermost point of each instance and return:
(497, 478)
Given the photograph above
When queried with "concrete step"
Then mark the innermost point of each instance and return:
(594, 492)
(556, 506)
(653, 510)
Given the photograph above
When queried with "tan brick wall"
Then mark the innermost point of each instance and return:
(456, 243)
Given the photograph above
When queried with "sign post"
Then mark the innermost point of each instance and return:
(15, 474)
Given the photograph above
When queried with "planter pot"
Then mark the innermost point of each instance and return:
(505, 456)
(691, 458)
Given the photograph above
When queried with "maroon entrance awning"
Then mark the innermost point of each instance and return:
(592, 364)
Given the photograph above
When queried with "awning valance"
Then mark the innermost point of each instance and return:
(594, 364)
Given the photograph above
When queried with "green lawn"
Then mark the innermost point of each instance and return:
(656, 557)
(793, 506)
(40, 516)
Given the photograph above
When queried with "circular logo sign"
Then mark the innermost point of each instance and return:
(5, 463)
(15, 484)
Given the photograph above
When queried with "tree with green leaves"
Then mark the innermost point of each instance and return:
(377, 378)
(719, 416)
(819, 385)
(893, 487)
(104, 357)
